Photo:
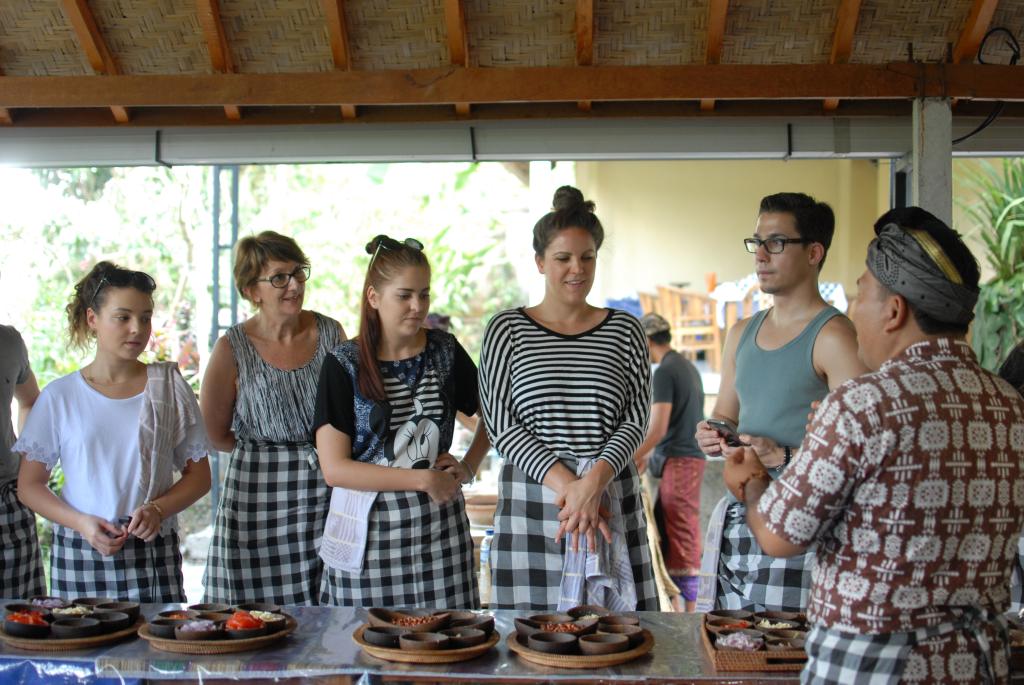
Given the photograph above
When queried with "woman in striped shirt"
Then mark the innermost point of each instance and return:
(565, 390)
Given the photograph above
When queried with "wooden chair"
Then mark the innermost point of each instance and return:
(694, 321)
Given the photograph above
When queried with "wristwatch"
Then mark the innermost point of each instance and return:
(788, 451)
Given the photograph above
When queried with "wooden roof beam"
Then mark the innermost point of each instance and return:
(975, 29)
(458, 42)
(584, 40)
(6, 118)
(217, 45)
(842, 39)
(95, 47)
(337, 30)
(717, 11)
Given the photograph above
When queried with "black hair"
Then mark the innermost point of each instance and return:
(954, 247)
(569, 210)
(660, 338)
(815, 221)
(91, 293)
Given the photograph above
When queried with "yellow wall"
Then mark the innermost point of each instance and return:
(677, 221)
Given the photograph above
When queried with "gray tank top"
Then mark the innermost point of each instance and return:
(274, 405)
(776, 387)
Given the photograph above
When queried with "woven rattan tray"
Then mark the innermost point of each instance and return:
(52, 644)
(762, 660)
(216, 646)
(423, 656)
(577, 660)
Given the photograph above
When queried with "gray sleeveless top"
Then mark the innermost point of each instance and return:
(274, 405)
(776, 387)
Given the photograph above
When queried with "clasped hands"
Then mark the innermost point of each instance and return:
(581, 512)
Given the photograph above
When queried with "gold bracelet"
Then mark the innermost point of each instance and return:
(159, 509)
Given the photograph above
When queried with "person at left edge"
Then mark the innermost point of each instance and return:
(119, 429)
(397, 532)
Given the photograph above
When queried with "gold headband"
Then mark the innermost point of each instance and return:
(935, 251)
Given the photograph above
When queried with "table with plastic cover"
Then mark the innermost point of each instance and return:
(322, 649)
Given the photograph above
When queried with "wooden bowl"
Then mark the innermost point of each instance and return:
(19, 607)
(91, 602)
(774, 625)
(164, 627)
(459, 638)
(133, 609)
(385, 636)
(553, 643)
(259, 606)
(180, 614)
(275, 624)
(634, 634)
(731, 613)
(525, 627)
(245, 634)
(604, 643)
(423, 641)
(215, 633)
(28, 630)
(781, 644)
(211, 606)
(717, 625)
(787, 634)
(112, 621)
(387, 617)
(777, 616)
(619, 619)
(67, 628)
(72, 611)
(215, 616)
(586, 610)
(480, 622)
(55, 602)
(552, 618)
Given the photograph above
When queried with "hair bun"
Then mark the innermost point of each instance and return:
(568, 198)
(371, 246)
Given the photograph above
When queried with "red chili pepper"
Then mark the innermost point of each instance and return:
(243, 620)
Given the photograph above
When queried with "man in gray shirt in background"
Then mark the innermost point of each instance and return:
(671, 453)
(21, 570)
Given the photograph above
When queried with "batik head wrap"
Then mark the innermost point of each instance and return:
(911, 263)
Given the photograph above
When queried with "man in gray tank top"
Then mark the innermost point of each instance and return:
(775, 364)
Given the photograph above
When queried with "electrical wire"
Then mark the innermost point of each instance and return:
(1011, 42)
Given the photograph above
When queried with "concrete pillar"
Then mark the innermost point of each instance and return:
(932, 180)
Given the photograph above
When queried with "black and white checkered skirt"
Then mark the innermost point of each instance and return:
(269, 524)
(21, 568)
(750, 579)
(526, 562)
(418, 554)
(140, 571)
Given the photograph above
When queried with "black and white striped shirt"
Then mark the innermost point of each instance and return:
(547, 396)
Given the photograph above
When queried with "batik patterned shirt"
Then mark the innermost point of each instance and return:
(911, 479)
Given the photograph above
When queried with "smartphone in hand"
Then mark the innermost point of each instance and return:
(728, 433)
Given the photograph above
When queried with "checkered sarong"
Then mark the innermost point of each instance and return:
(21, 568)
(418, 554)
(269, 522)
(526, 562)
(965, 651)
(139, 572)
(750, 579)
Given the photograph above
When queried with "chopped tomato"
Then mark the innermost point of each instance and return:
(32, 618)
(243, 620)
(179, 615)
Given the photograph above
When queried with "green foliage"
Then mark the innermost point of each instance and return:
(999, 217)
(83, 184)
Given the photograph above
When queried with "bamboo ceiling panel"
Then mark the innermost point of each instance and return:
(396, 34)
(283, 36)
(662, 32)
(540, 33)
(886, 28)
(1009, 14)
(153, 36)
(36, 40)
(779, 31)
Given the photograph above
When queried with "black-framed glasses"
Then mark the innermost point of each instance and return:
(300, 274)
(773, 245)
(124, 278)
(387, 243)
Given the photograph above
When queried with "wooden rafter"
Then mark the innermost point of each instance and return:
(842, 39)
(91, 40)
(337, 29)
(584, 40)
(217, 45)
(458, 42)
(445, 85)
(717, 11)
(977, 25)
(6, 118)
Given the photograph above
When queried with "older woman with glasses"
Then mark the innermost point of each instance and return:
(257, 399)
(119, 429)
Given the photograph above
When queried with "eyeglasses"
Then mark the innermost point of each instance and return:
(392, 244)
(124, 278)
(301, 275)
(772, 245)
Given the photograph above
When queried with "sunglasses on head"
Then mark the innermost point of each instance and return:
(124, 278)
(387, 243)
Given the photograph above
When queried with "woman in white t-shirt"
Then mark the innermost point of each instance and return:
(119, 428)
